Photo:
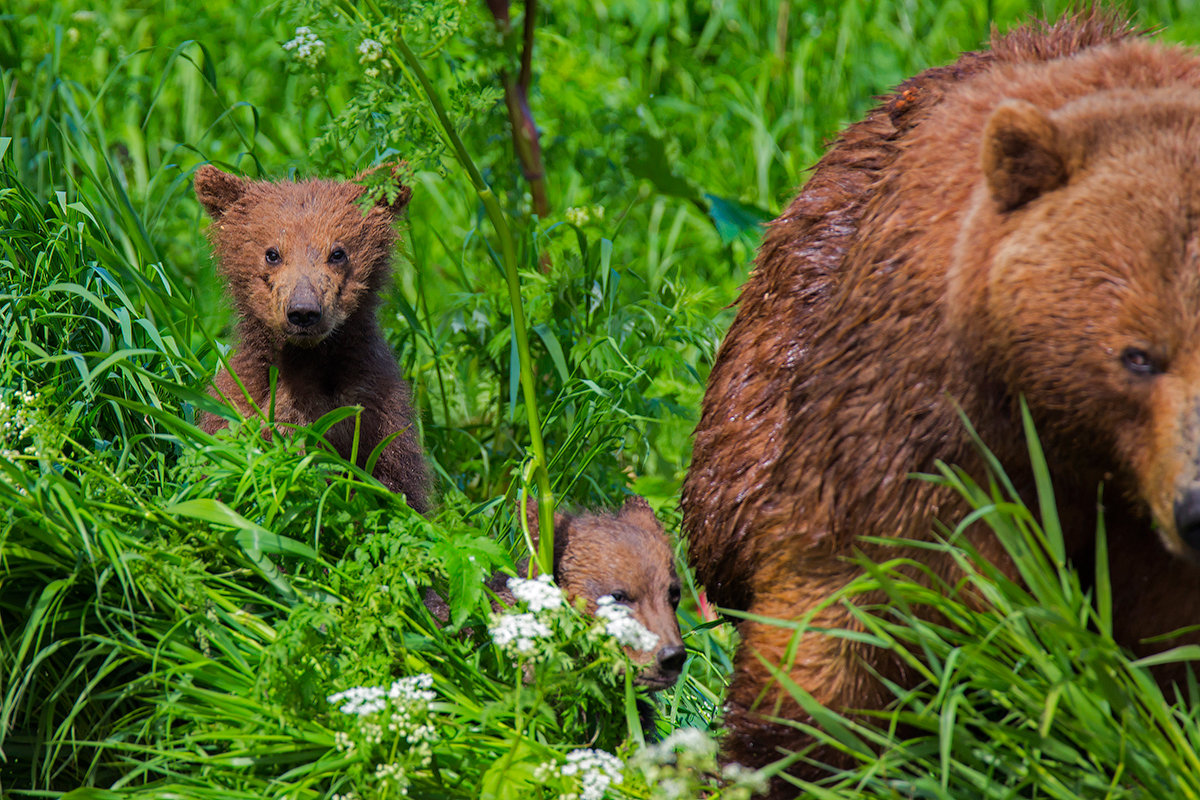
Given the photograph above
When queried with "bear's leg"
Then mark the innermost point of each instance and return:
(834, 670)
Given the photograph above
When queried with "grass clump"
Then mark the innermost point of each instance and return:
(1021, 690)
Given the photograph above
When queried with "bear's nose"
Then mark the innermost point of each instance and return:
(304, 316)
(1187, 516)
(670, 659)
(303, 309)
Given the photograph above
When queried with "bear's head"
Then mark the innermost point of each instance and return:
(1076, 283)
(300, 257)
(624, 556)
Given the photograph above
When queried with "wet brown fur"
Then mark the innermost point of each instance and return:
(625, 555)
(343, 359)
(1003, 226)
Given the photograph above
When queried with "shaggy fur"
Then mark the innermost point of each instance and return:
(305, 267)
(1021, 222)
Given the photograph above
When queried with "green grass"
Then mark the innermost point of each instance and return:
(175, 608)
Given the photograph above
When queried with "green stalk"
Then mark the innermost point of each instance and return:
(508, 251)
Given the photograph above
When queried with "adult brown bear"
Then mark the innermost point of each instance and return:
(1023, 222)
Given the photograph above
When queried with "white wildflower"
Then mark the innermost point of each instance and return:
(308, 46)
(753, 779)
(518, 633)
(539, 594)
(413, 691)
(692, 742)
(369, 50)
(596, 769)
(360, 700)
(372, 732)
(578, 215)
(620, 624)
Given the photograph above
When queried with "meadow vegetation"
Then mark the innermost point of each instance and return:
(195, 616)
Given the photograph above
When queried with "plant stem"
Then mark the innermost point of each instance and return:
(508, 252)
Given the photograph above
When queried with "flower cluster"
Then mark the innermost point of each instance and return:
(684, 765)
(370, 54)
(539, 594)
(517, 634)
(403, 720)
(621, 625)
(18, 420)
(581, 215)
(415, 690)
(596, 770)
(308, 46)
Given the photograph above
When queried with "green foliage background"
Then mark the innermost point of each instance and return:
(174, 608)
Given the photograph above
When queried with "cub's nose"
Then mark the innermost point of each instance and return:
(304, 309)
(1187, 516)
(670, 659)
(304, 315)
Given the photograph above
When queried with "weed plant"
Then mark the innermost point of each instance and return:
(186, 615)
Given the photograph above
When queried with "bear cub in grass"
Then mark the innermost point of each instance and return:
(625, 556)
(1024, 223)
(305, 267)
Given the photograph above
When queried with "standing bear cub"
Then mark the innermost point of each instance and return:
(305, 266)
(1022, 223)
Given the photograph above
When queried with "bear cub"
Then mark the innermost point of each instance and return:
(625, 556)
(305, 267)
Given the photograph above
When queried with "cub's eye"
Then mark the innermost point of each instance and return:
(337, 255)
(619, 597)
(1140, 362)
(273, 256)
(673, 595)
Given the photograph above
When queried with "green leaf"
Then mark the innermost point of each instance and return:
(646, 157)
(552, 345)
(734, 218)
(510, 777)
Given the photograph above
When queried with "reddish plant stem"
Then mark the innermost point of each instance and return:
(526, 141)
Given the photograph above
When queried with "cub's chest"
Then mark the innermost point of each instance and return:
(304, 402)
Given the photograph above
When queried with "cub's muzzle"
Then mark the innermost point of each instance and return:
(303, 307)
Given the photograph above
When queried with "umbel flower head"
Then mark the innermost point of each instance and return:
(621, 625)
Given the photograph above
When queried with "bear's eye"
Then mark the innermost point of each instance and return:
(273, 256)
(619, 597)
(673, 595)
(337, 255)
(1140, 362)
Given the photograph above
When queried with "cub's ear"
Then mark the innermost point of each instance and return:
(390, 176)
(1024, 155)
(636, 511)
(217, 190)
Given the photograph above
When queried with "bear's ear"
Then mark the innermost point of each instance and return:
(636, 511)
(1023, 154)
(391, 176)
(217, 190)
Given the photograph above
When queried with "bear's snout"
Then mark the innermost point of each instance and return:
(1187, 517)
(670, 660)
(303, 306)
